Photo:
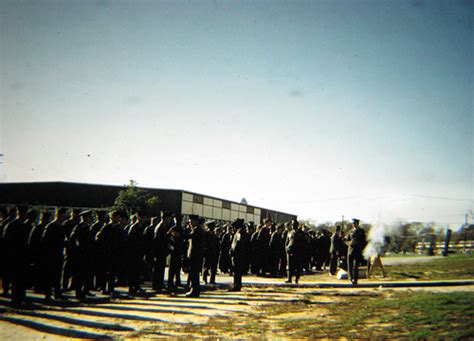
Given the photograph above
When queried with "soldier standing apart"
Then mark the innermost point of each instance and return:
(52, 245)
(357, 243)
(238, 250)
(335, 250)
(15, 242)
(195, 255)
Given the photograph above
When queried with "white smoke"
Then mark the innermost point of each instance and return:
(377, 237)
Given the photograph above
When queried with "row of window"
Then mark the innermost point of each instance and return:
(217, 213)
(199, 199)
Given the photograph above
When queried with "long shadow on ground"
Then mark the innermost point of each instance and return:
(45, 328)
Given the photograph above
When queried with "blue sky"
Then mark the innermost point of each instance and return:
(319, 108)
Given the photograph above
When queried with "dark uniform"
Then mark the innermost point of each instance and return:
(15, 241)
(8, 216)
(176, 246)
(276, 242)
(335, 250)
(225, 263)
(357, 244)
(160, 250)
(254, 252)
(293, 246)
(135, 253)
(211, 253)
(148, 235)
(68, 227)
(95, 275)
(107, 241)
(195, 255)
(263, 243)
(80, 245)
(36, 252)
(238, 250)
(52, 244)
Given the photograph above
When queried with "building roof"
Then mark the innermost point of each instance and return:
(71, 194)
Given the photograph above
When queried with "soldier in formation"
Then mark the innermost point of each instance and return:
(99, 251)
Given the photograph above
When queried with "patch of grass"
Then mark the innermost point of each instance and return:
(451, 267)
(385, 314)
(400, 314)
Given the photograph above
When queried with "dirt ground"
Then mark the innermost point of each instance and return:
(173, 315)
(164, 315)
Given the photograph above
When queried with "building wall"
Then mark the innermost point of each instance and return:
(222, 210)
(68, 194)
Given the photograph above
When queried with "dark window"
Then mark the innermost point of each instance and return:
(198, 199)
(249, 209)
(226, 204)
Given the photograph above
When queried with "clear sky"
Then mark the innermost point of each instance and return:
(319, 108)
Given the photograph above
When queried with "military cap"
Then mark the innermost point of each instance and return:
(238, 223)
(355, 220)
(211, 224)
(100, 213)
(193, 217)
(295, 223)
(76, 210)
(267, 220)
(338, 227)
(202, 220)
(86, 213)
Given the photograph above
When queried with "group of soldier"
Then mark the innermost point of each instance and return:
(89, 251)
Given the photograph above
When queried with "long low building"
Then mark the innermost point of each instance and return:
(70, 194)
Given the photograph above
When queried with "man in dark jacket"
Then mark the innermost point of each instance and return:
(80, 245)
(263, 243)
(107, 241)
(225, 262)
(135, 253)
(176, 246)
(160, 250)
(15, 243)
(293, 246)
(8, 215)
(238, 250)
(37, 256)
(52, 248)
(68, 228)
(211, 252)
(276, 242)
(335, 250)
(195, 255)
(357, 243)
